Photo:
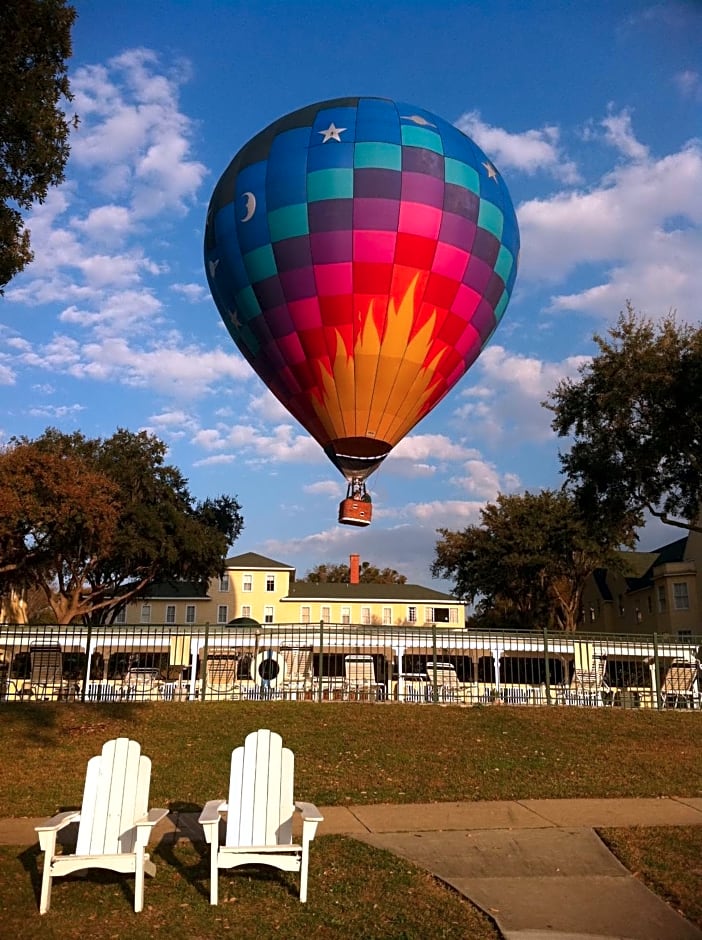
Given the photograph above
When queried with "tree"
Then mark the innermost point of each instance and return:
(635, 415)
(528, 560)
(93, 522)
(35, 38)
(341, 574)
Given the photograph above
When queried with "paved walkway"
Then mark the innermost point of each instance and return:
(535, 866)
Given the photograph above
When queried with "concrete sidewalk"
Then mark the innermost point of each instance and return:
(535, 866)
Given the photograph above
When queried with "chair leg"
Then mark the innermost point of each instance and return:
(139, 883)
(45, 899)
(214, 876)
(304, 866)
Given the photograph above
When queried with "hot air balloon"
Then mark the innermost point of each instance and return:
(361, 253)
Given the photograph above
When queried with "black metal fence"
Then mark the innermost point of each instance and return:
(326, 662)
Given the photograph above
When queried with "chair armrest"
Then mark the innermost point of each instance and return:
(152, 817)
(211, 812)
(47, 832)
(309, 812)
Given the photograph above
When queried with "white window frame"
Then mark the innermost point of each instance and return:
(222, 613)
(661, 598)
(170, 613)
(681, 598)
(270, 583)
(387, 616)
(346, 615)
(190, 613)
(268, 615)
(453, 615)
(411, 614)
(247, 583)
(365, 616)
(305, 614)
(120, 616)
(145, 615)
(326, 614)
(224, 583)
(246, 611)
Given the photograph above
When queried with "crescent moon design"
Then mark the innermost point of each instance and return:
(250, 206)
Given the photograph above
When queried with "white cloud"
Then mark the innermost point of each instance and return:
(192, 292)
(56, 411)
(328, 488)
(619, 133)
(484, 481)
(419, 447)
(529, 151)
(689, 84)
(642, 224)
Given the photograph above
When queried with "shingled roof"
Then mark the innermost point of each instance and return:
(253, 561)
(339, 591)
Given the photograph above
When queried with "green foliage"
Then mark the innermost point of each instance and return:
(635, 416)
(341, 574)
(526, 564)
(92, 522)
(35, 38)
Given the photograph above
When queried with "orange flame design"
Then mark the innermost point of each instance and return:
(387, 382)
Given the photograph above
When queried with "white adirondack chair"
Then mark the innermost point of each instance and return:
(260, 813)
(114, 821)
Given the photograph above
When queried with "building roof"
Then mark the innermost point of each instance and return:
(175, 590)
(252, 560)
(339, 591)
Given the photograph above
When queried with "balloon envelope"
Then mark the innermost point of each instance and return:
(361, 252)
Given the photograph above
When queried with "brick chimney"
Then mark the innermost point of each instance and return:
(355, 569)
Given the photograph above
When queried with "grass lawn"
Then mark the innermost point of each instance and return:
(345, 754)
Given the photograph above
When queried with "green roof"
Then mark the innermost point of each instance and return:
(251, 560)
(339, 591)
(175, 590)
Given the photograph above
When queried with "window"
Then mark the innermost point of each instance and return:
(681, 600)
(304, 615)
(120, 616)
(190, 613)
(346, 615)
(387, 616)
(661, 599)
(246, 611)
(412, 614)
(170, 613)
(326, 614)
(146, 613)
(268, 615)
(224, 582)
(247, 582)
(453, 615)
(222, 613)
(365, 616)
(270, 582)
(620, 602)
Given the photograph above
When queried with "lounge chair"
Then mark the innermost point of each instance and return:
(46, 673)
(260, 812)
(115, 823)
(142, 684)
(222, 675)
(680, 687)
(448, 685)
(360, 681)
(589, 686)
(298, 673)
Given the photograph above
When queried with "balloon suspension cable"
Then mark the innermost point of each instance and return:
(357, 490)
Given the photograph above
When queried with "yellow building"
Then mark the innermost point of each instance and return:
(264, 590)
(659, 594)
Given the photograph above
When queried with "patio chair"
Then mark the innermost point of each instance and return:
(680, 687)
(142, 683)
(298, 672)
(114, 822)
(46, 672)
(359, 678)
(588, 686)
(447, 683)
(222, 675)
(260, 812)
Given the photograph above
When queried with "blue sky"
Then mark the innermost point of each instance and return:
(592, 112)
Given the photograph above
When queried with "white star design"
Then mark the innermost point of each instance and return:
(491, 171)
(234, 317)
(213, 266)
(332, 133)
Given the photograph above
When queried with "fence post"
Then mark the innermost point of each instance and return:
(547, 669)
(434, 678)
(203, 668)
(657, 675)
(320, 662)
(88, 664)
